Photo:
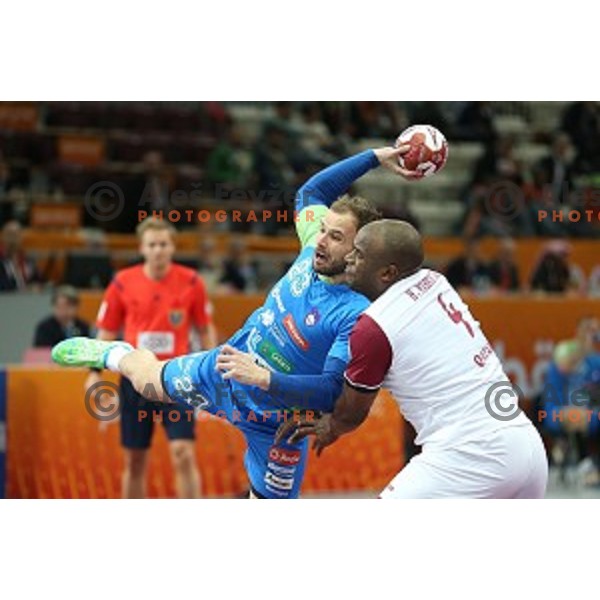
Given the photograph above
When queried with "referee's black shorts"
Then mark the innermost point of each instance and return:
(139, 415)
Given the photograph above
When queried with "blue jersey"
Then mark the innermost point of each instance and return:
(304, 321)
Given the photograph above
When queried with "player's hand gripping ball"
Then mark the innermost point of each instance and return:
(428, 152)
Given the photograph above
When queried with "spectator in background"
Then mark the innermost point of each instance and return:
(495, 197)
(553, 273)
(316, 140)
(155, 193)
(285, 118)
(272, 166)
(581, 120)
(556, 168)
(336, 118)
(15, 179)
(503, 270)
(432, 113)
(400, 210)
(6, 207)
(239, 274)
(148, 191)
(499, 164)
(17, 272)
(588, 334)
(558, 175)
(208, 265)
(570, 401)
(537, 195)
(223, 165)
(376, 119)
(476, 123)
(63, 323)
(594, 282)
(4, 178)
(274, 174)
(469, 270)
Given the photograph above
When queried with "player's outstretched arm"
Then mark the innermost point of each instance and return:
(324, 188)
(316, 392)
(351, 410)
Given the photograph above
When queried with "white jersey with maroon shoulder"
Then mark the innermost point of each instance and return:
(421, 342)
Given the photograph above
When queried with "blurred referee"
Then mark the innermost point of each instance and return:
(155, 304)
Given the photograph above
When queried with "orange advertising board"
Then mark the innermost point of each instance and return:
(18, 116)
(81, 150)
(56, 216)
(56, 449)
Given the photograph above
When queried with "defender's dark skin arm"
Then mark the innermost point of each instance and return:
(351, 410)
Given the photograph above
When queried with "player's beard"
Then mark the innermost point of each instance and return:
(332, 269)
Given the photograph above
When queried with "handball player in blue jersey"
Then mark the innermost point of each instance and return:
(290, 354)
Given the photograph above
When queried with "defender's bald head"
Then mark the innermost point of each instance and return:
(385, 252)
(396, 242)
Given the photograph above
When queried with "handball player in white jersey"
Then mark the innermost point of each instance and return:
(419, 340)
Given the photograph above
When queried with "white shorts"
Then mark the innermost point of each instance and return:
(511, 463)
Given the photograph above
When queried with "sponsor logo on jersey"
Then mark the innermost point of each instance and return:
(278, 334)
(176, 317)
(269, 352)
(254, 339)
(292, 329)
(279, 483)
(312, 318)
(283, 456)
(481, 358)
(279, 470)
(276, 294)
(276, 492)
(299, 277)
(267, 317)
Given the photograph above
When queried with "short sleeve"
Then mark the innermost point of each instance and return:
(339, 348)
(112, 310)
(370, 355)
(201, 308)
(308, 224)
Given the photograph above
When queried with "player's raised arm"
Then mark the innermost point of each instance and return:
(202, 316)
(324, 188)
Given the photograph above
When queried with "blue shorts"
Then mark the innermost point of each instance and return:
(138, 416)
(274, 471)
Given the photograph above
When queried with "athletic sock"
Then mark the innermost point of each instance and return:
(114, 356)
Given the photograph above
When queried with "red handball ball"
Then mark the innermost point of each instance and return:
(428, 152)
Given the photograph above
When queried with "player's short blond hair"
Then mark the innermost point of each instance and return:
(154, 224)
(362, 210)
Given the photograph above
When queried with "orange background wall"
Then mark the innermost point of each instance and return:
(57, 450)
